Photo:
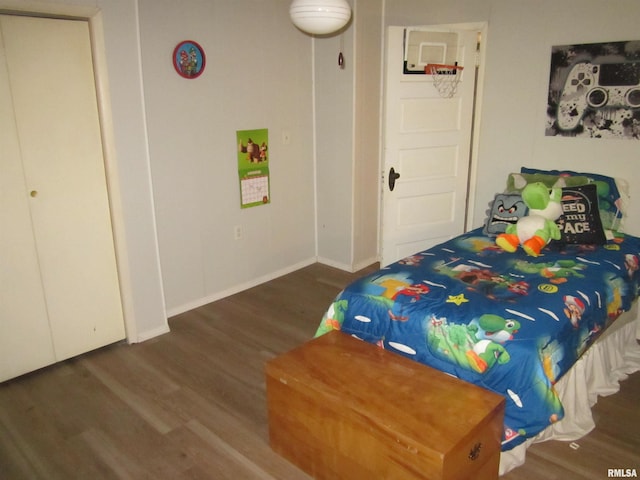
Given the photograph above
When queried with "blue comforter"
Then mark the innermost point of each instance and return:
(508, 322)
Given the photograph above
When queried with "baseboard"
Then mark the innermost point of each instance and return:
(351, 268)
(149, 334)
(239, 288)
(332, 263)
(365, 263)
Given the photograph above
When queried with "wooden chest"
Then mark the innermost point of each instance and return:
(341, 408)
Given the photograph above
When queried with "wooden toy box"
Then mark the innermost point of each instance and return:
(341, 408)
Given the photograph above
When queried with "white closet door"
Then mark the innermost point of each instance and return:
(51, 80)
(24, 325)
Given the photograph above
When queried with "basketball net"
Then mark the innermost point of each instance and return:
(445, 78)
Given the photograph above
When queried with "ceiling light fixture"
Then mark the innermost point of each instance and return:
(320, 17)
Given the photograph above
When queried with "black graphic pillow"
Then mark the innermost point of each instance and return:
(580, 221)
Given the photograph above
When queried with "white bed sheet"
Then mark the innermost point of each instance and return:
(614, 356)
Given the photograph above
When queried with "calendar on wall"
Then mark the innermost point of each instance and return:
(253, 167)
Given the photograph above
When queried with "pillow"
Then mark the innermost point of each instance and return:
(517, 181)
(611, 201)
(504, 210)
(580, 221)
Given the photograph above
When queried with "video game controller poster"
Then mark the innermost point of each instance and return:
(594, 91)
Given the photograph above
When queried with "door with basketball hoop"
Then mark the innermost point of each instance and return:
(429, 108)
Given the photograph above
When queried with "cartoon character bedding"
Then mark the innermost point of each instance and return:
(508, 322)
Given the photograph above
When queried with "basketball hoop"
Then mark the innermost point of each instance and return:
(445, 78)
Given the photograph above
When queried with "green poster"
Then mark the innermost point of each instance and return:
(253, 167)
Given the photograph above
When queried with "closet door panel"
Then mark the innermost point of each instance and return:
(51, 76)
(25, 337)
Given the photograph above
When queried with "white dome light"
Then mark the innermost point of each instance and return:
(320, 17)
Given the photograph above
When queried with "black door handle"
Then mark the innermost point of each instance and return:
(393, 176)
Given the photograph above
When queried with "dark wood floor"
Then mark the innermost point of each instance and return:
(191, 404)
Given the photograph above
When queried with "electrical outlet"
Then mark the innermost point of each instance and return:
(237, 232)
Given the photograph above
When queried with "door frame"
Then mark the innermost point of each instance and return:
(93, 16)
(476, 121)
(98, 49)
(482, 28)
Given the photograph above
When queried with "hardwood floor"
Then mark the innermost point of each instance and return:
(191, 404)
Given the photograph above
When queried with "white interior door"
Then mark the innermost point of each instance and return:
(26, 327)
(426, 140)
(50, 77)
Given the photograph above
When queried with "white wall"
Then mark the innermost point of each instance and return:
(520, 36)
(367, 142)
(347, 135)
(135, 206)
(258, 75)
(517, 81)
(334, 90)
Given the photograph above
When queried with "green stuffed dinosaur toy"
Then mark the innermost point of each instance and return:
(538, 228)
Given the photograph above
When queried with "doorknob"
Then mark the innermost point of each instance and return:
(33, 193)
(393, 176)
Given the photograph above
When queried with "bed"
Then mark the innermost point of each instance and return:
(550, 333)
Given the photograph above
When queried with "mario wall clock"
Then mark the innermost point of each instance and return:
(189, 59)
